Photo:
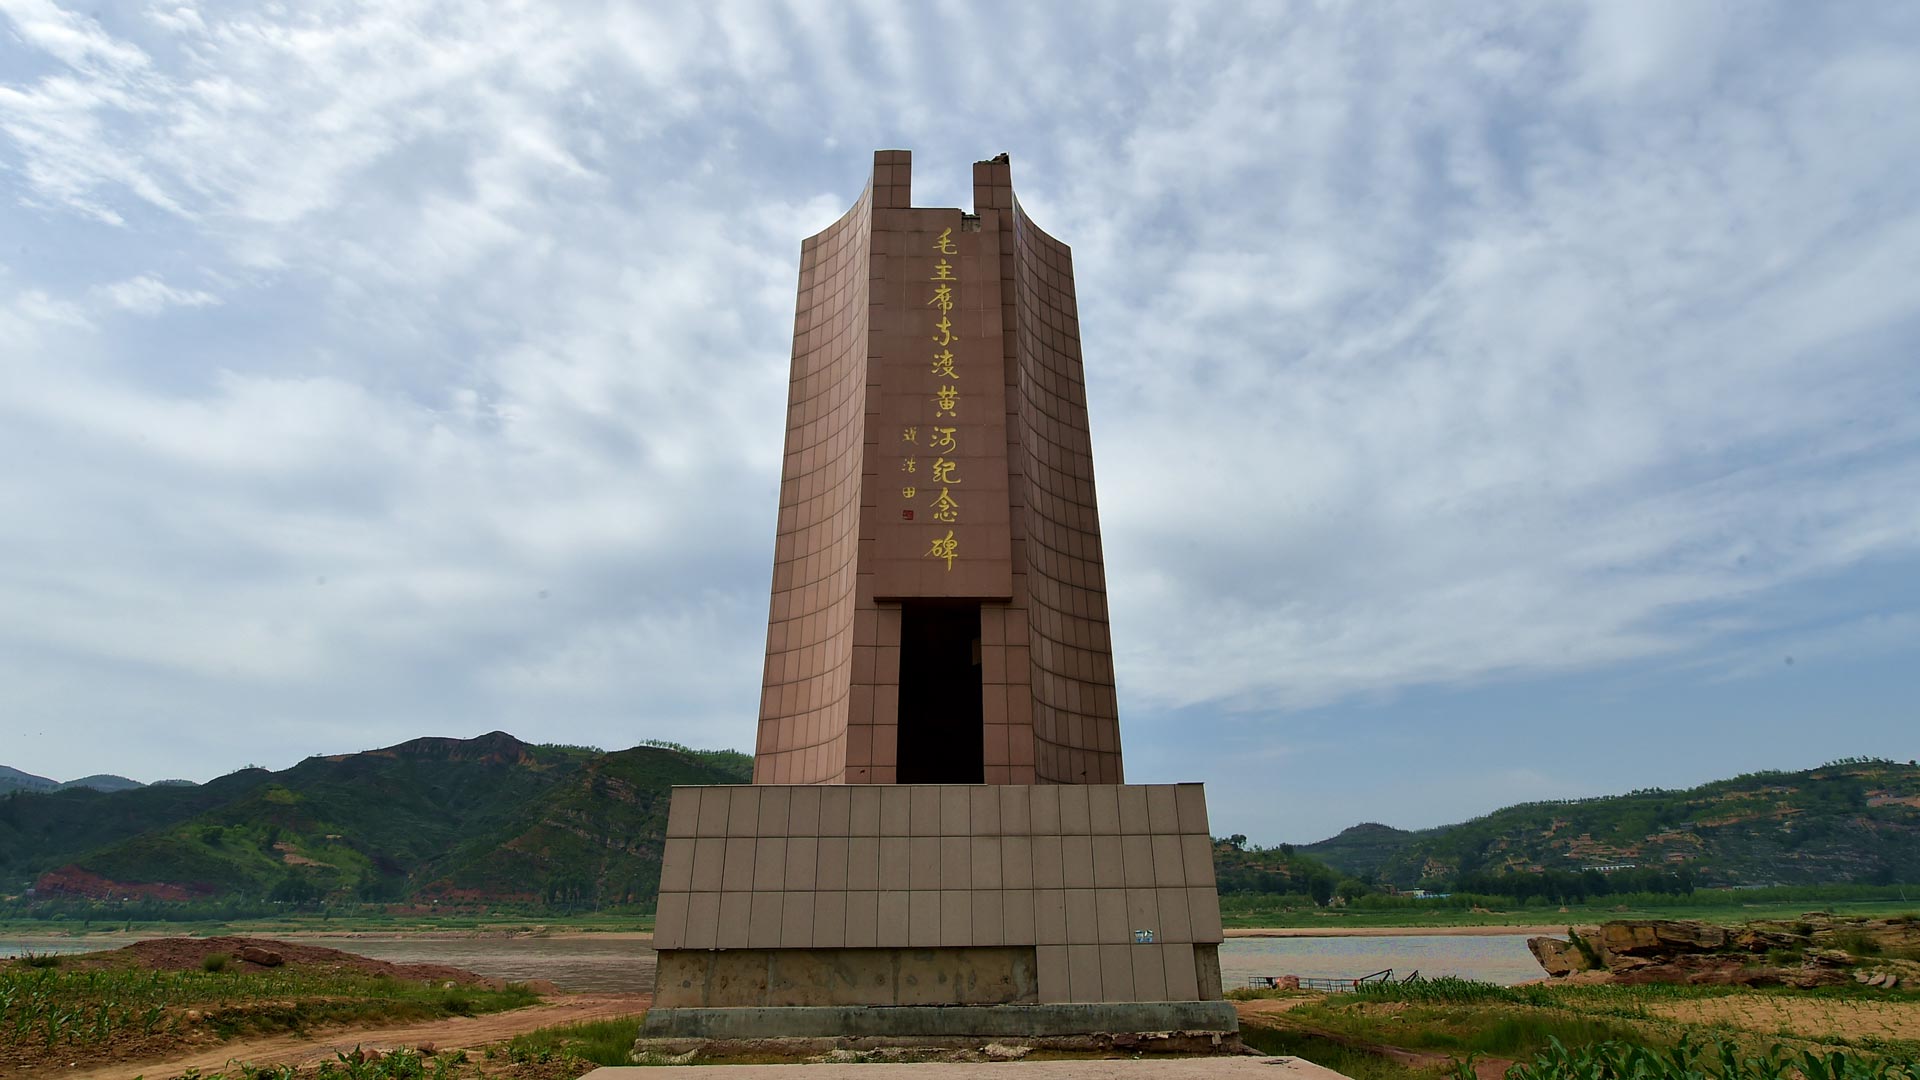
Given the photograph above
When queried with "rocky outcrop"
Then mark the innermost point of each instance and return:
(1854, 934)
(1558, 958)
(1653, 938)
(1816, 950)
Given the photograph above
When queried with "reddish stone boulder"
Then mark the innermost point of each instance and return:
(253, 954)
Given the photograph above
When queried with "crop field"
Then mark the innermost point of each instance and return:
(1435, 1027)
(51, 1011)
(1712, 1059)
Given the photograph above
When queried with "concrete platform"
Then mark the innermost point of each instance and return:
(1159, 1068)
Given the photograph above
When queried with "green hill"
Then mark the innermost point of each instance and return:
(497, 820)
(1283, 870)
(14, 780)
(1361, 849)
(103, 782)
(1853, 821)
(491, 818)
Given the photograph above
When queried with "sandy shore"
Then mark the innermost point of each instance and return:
(116, 938)
(1556, 930)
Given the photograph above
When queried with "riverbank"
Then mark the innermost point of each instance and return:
(1242, 912)
(1479, 930)
(108, 938)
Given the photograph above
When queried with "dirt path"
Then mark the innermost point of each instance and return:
(456, 1034)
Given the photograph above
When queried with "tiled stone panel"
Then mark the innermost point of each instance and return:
(1069, 870)
(782, 978)
(1075, 716)
(810, 641)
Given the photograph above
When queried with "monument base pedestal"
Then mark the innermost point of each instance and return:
(939, 915)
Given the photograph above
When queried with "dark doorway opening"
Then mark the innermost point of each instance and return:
(941, 730)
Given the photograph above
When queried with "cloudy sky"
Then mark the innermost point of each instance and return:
(1491, 402)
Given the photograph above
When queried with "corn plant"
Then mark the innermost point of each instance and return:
(1690, 1060)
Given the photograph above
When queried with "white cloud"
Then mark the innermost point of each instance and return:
(1424, 351)
(74, 39)
(148, 295)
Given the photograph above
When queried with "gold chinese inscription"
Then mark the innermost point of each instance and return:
(945, 547)
(944, 508)
(943, 365)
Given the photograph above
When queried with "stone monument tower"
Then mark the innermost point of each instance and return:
(938, 815)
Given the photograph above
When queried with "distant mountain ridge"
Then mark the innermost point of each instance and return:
(494, 819)
(12, 779)
(485, 819)
(1849, 821)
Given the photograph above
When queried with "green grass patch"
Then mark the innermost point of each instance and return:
(602, 1042)
(49, 1010)
(1516, 1033)
(1460, 1016)
(1449, 990)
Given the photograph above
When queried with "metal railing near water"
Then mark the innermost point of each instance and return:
(1330, 986)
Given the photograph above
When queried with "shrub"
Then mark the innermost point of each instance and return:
(1857, 943)
(1591, 954)
(215, 961)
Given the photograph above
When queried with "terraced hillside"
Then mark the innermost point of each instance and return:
(1855, 821)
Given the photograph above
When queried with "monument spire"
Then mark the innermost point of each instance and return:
(938, 845)
(939, 603)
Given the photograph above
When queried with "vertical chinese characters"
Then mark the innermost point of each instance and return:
(944, 509)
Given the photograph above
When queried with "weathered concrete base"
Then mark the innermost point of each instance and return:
(1208, 1067)
(1180, 1043)
(739, 979)
(1181, 1026)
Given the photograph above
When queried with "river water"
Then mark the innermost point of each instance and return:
(609, 963)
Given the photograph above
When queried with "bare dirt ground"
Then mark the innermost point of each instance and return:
(461, 1033)
(1808, 1017)
(1257, 1009)
(188, 954)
